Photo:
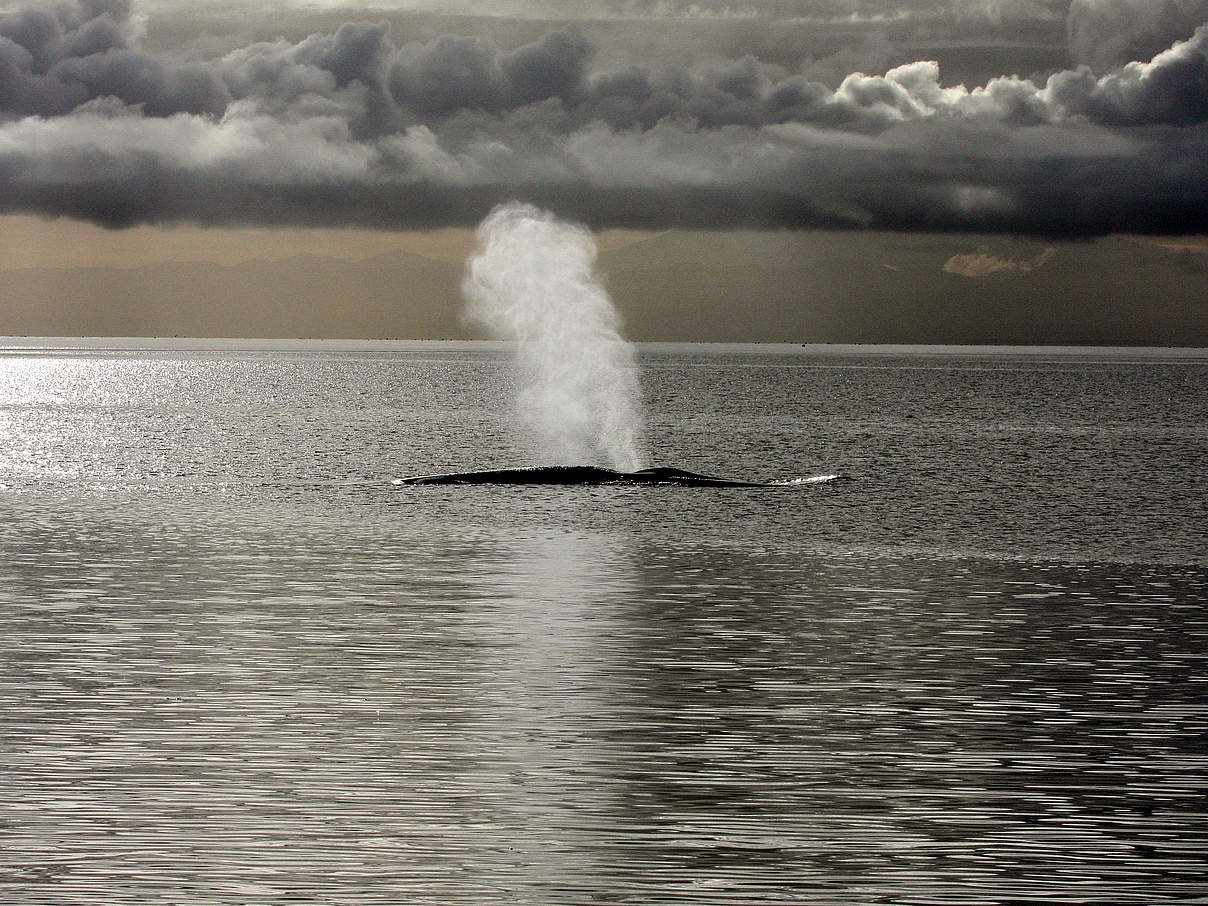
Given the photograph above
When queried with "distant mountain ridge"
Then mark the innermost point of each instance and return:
(395, 294)
(894, 288)
(733, 286)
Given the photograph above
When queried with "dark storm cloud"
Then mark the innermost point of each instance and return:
(1173, 88)
(456, 73)
(350, 127)
(1109, 33)
(54, 59)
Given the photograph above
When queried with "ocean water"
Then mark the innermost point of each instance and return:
(240, 667)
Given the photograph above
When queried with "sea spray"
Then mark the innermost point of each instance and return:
(532, 280)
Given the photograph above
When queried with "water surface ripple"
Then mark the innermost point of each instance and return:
(239, 667)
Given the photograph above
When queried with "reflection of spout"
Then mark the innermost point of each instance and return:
(549, 614)
(593, 475)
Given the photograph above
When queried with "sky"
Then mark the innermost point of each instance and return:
(133, 133)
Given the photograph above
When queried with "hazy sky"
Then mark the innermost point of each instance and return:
(1059, 119)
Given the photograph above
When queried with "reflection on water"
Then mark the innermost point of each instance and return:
(228, 711)
(240, 667)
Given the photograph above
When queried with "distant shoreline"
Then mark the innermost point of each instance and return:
(21, 345)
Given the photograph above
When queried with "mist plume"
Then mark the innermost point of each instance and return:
(532, 281)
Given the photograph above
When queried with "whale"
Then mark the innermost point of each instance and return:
(597, 475)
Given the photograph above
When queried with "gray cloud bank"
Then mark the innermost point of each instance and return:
(351, 127)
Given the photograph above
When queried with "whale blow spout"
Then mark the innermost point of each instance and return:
(596, 475)
(533, 281)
